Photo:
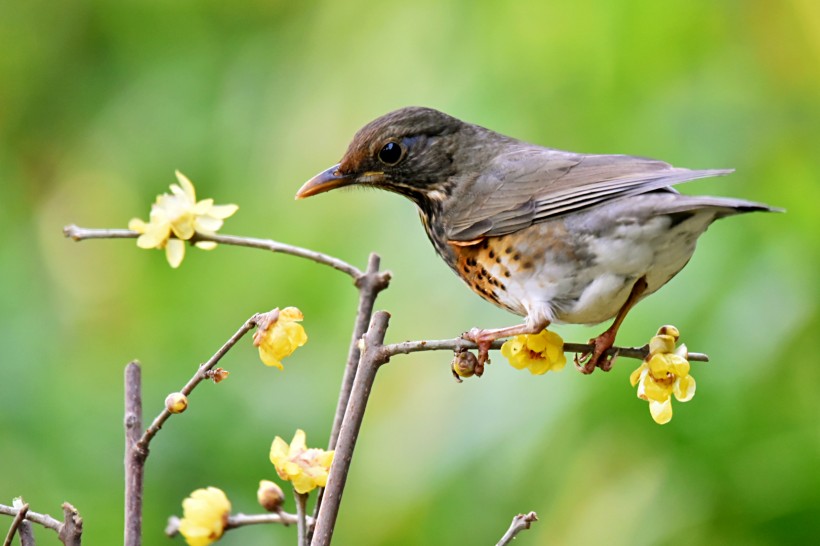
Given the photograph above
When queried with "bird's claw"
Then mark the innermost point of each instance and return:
(598, 357)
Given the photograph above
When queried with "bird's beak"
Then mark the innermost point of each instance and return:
(325, 181)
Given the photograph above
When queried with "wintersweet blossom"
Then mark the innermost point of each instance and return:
(664, 373)
(181, 215)
(278, 334)
(306, 468)
(539, 353)
(205, 514)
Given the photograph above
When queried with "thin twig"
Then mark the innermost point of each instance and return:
(236, 521)
(407, 347)
(40, 519)
(72, 531)
(370, 285)
(371, 359)
(519, 523)
(134, 456)
(15, 524)
(79, 234)
(198, 377)
(301, 515)
(25, 531)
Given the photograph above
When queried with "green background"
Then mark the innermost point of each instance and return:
(101, 101)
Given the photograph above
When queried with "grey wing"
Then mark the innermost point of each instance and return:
(530, 184)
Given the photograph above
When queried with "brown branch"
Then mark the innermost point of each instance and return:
(371, 359)
(134, 455)
(69, 530)
(41, 519)
(519, 523)
(80, 234)
(370, 285)
(236, 521)
(407, 347)
(25, 531)
(15, 524)
(200, 375)
(301, 517)
(72, 531)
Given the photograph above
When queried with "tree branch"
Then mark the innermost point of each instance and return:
(372, 358)
(200, 375)
(69, 530)
(15, 524)
(41, 519)
(454, 344)
(134, 455)
(25, 531)
(236, 521)
(519, 523)
(301, 517)
(80, 234)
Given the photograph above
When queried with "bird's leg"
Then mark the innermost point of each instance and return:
(605, 341)
(484, 338)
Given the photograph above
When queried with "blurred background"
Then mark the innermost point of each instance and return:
(101, 101)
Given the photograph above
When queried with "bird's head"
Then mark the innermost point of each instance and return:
(413, 151)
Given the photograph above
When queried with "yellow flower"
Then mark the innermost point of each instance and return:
(663, 374)
(278, 334)
(539, 353)
(205, 514)
(305, 468)
(180, 214)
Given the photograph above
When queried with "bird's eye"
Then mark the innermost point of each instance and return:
(391, 153)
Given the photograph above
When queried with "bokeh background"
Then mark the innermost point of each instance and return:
(101, 101)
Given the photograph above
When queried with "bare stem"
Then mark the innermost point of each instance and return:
(25, 532)
(371, 359)
(301, 514)
(370, 285)
(519, 523)
(198, 377)
(134, 455)
(407, 347)
(236, 521)
(40, 519)
(71, 532)
(80, 234)
(15, 524)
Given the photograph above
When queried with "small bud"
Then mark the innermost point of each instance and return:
(463, 365)
(176, 402)
(217, 374)
(270, 496)
(661, 344)
(669, 330)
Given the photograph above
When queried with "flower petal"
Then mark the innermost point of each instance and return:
(175, 252)
(684, 388)
(661, 411)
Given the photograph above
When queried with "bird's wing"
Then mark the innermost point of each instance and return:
(530, 184)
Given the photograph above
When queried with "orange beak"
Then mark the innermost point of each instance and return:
(325, 181)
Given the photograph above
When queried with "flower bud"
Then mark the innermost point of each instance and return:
(217, 374)
(669, 330)
(176, 402)
(661, 344)
(270, 496)
(463, 365)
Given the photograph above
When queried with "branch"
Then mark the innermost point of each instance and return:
(455, 344)
(200, 375)
(70, 530)
(236, 521)
(370, 285)
(301, 517)
(519, 523)
(80, 234)
(15, 524)
(134, 456)
(372, 358)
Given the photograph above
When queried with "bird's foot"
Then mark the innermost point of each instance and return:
(484, 340)
(597, 357)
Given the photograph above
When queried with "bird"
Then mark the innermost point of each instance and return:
(550, 235)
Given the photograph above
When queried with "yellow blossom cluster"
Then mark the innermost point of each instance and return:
(539, 353)
(181, 215)
(205, 514)
(278, 334)
(664, 373)
(306, 468)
